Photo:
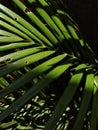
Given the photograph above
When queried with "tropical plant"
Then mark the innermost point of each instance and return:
(48, 73)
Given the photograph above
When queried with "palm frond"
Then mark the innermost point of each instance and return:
(94, 117)
(39, 44)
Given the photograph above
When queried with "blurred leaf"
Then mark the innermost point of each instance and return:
(94, 118)
(8, 124)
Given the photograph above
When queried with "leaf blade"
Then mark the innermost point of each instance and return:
(85, 102)
(60, 107)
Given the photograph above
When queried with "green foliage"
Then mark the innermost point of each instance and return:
(48, 73)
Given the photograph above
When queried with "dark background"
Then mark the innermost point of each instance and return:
(85, 13)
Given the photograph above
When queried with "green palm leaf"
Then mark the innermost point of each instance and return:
(85, 101)
(39, 44)
(30, 75)
(94, 118)
(63, 102)
(35, 89)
